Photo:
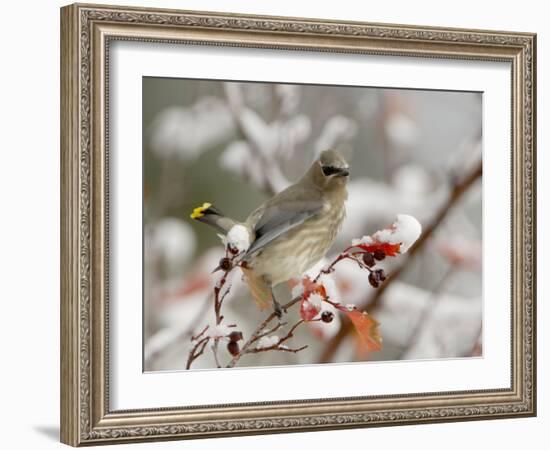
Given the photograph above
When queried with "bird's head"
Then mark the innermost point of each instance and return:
(330, 171)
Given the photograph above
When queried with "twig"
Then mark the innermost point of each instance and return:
(196, 351)
(181, 334)
(278, 346)
(218, 301)
(259, 329)
(268, 332)
(198, 336)
(219, 296)
(459, 188)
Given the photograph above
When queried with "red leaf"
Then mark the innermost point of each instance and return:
(388, 249)
(366, 327)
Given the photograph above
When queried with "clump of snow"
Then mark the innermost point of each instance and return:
(405, 231)
(267, 341)
(316, 300)
(351, 307)
(219, 331)
(238, 238)
(330, 286)
(367, 240)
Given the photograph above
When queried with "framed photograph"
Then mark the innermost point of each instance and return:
(276, 224)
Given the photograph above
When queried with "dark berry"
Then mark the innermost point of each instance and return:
(327, 316)
(373, 279)
(368, 259)
(233, 348)
(235, 336)
(379, 255)
(225, 264)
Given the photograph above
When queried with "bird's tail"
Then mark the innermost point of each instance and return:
(210, 215)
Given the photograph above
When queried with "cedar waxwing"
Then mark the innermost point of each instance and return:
(292, 231)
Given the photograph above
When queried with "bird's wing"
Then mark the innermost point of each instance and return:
(284, 212)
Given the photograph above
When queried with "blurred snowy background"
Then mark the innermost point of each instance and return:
(235, 144)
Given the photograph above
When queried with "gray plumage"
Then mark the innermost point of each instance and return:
(293, 230)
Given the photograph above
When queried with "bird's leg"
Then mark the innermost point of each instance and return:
(276, 306)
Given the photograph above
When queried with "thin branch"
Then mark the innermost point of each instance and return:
(260, 329)
(196, 351)
(278, 348)
(268, 332)
(459, 188)
(181, 334)
(198, 336)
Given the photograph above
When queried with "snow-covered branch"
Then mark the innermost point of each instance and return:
(309, 293)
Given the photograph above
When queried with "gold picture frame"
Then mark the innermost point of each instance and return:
(86, 33)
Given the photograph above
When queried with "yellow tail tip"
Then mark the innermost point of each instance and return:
(198, 212)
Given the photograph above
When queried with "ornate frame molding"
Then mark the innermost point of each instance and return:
(86, 31)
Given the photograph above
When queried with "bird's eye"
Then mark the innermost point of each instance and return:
(330, 170)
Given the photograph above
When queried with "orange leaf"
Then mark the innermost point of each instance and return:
(366, 327)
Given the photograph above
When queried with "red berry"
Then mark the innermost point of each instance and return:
(379, 255)
(368, 259)
(327, 316)
(225, 264)
(373, 280)
(233, 348)
(235, 336)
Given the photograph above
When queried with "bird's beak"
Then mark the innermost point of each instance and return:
(344, 172)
